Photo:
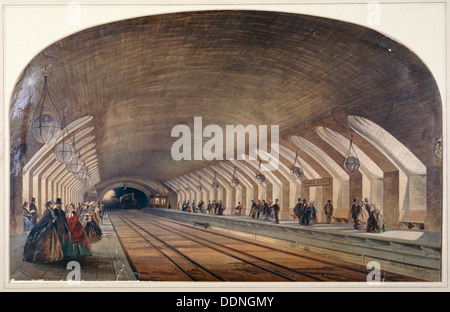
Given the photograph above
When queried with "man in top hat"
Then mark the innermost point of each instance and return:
(34, 216)
(298, 210)
(62, 228)
(354, 210)
(276, 209)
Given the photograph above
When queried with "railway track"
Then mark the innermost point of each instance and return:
(163, 249)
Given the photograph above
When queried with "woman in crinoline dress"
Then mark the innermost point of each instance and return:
(77, 241)
(376, 221)
(42, 244)
(362, 218)
(93, 231)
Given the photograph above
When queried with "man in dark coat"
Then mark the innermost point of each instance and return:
(298, 209)
(34, 216)
(328, 209)
(354, 210)
(62, 228)
(276, 210)
(302, 211)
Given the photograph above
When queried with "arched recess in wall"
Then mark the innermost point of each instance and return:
(412, 172)
(340, 177)
(372, 175)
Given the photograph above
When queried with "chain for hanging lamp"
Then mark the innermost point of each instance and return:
(296, 171)
(260, 177)
(351, 161)
(199, 186)
(215, 184)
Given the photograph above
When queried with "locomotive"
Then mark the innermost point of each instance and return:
(128, 201)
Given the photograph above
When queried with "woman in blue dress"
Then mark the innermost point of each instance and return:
(27, 224)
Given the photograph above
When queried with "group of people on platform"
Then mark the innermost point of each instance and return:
(214, 207)
(259, 208)
(61, 233)
(307, 213)
(262, 209)
(367, 217)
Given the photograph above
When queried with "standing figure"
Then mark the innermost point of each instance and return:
(42, 244)
(216, 207)
(34, 215)
(77, 241)
(238, 209)
(257, 209)
(93, 231)
(83, 213)
(194, 206)
(313, 212)
(209, 208)
(266, 209)
(184, 206)
(98, 216)
(201, 206)
(27, 225)
(376, 222)
(367, 205)
(354, 210)
(221, 209)
(188, 206)
(102, 211)
(328, 209)
(62, 229)
(306, 215)
(276, 210)
(252, 209)
(362, 218)
(298, 211)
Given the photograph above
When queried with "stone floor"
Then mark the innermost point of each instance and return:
(108, 262)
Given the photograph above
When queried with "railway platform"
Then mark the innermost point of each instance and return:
(108, 262)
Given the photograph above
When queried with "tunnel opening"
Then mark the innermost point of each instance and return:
(125, 198)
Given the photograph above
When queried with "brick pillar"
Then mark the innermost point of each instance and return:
(355, 188)
(244, 203)
(285, 208)
(327, 194)
(233, 203)
(304, 190)
(269, 192)
(216, 194)
(391, 210)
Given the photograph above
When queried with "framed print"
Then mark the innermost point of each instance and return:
(210, 146)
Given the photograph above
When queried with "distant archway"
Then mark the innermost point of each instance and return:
(112, 198)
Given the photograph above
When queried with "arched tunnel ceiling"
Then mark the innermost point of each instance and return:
(141, 77)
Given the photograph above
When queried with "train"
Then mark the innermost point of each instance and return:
(128, 201)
